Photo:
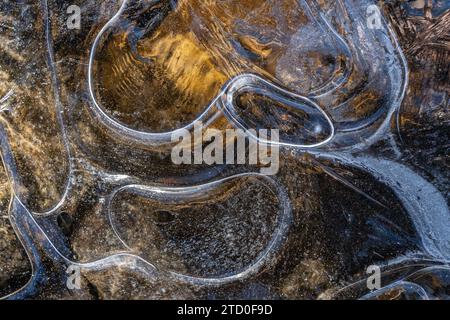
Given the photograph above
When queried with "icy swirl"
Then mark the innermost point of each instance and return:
(92, 182)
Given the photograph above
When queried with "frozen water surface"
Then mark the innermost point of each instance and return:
(87, 115)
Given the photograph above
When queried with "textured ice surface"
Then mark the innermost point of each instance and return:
(86, 118)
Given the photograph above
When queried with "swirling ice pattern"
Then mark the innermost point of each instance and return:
(360, 78)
